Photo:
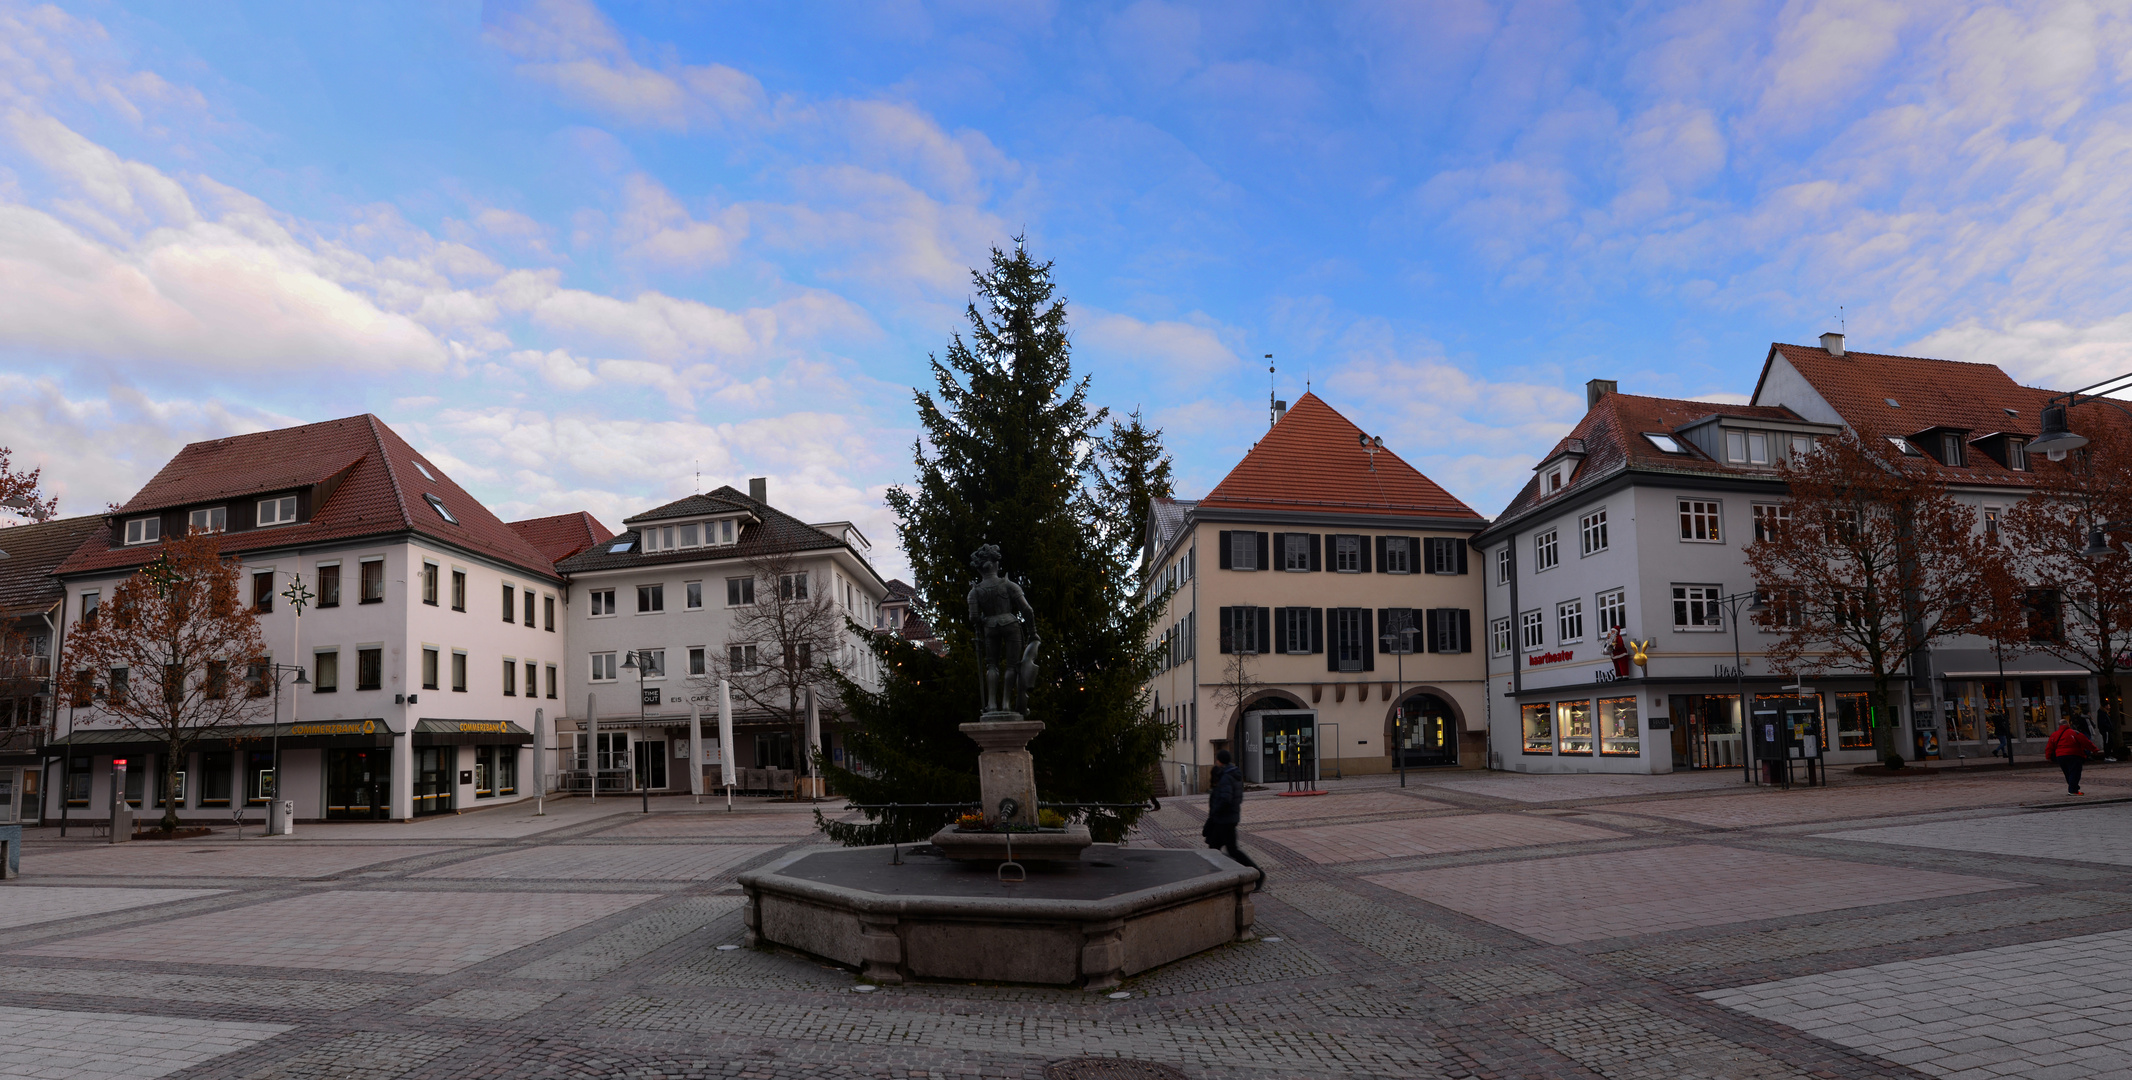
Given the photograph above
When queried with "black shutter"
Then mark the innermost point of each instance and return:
(1369, 655)
(1384, 623)
(1435, 631)
(1316, 561)
(1332, 639)
(1317, 629)
(1416, 563)
(1280, 630)
(1265, 629)
(1379, 543)
(1228, 642)
(1264, 552)
(1462, 546)
(1225, 556)
(1465, 630)
(1362, 552)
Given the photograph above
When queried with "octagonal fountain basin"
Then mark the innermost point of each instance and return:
(1115, 913)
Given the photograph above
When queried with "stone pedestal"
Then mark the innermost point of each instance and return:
(1004, 768)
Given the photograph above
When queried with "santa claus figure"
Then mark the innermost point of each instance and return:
(1617, 650)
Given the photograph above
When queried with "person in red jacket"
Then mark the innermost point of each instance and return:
(2070, 749)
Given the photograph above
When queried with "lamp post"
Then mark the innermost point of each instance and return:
(637, 660)
(276, 671)
(2056, 438)
(1750, 601)
(1399, 644)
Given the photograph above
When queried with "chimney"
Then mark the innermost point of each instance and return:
(1599, 388)
(1833, 342)
(1280, 409)
(759, 489)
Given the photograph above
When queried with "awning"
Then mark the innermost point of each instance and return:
(308, 734)
(2010, 673)
(470, 733)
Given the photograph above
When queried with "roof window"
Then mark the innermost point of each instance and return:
(1665, 443)
(424, 470)
(437, 504)
(1892, 403)
(2013, 412)
(620, 547)
(1903, 445)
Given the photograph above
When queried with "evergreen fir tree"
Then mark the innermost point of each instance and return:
(1132, 471)
(1009, 457)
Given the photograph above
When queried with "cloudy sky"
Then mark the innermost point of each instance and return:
(579, 253)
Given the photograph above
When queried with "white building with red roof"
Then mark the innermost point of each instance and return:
(1292, 585)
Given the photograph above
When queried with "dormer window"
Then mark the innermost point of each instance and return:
(214, 519)
(146, 530)
(2017, 454)
(1951, 449)
(1666, 444)
(281, 511)
(1554, 480)
(437, 504)
(1747, 447)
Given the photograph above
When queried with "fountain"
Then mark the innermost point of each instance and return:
(1000, 896)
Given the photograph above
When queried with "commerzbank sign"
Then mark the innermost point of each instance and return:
(352, 727)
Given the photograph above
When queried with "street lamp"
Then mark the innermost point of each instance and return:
(2057, 439)
(276, 671)
(1751, 601)
(1400, 643)
(631, 662)
(2098, 544)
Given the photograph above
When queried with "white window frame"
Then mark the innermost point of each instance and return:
(1569, 621)
(1546, 551)
(1695, 514)
(204, 520)
(1591, 533)
(144, 530)
(1532, 630)
(1688, 597)
(600, 604)
(1952, 449)
(1499, 637)
(653, 594)
(1612, 610)
(698, 660)
(1765, 514)
(279, 503)
(603, 667)
(2017, 455)
(1502, 565)
(741, 587)
(1736, 447)
(692, 596)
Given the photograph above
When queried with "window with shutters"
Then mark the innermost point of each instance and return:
(1699, 521)
(1531, 626)
(1447, 555)
(1398, 555)
(1347, 554)
(1450, 630)
(1295, 551)
(1243, 630)
(1591, 532)
(1350, 632)
(1695, 607)
(1393, 636)
(1546, 555)
(1243, 551)
(1294, 630)
(1613, 611)
(1499, 636)
(1569, 621)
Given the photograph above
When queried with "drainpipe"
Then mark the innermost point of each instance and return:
(1191, 716)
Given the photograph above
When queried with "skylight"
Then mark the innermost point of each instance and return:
(424, 470)
(1892, 403)
(1903, 445)
(1665, 443)
(437, 504)
(620, 548)
(2013, 412)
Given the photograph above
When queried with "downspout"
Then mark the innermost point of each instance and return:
(51, 680)
(1192, 639)
(1487, 677)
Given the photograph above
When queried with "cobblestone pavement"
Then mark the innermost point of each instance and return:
(1470, 926)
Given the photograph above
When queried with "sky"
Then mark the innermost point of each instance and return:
(582, 254)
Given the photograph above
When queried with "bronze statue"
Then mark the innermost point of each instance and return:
(999, 611)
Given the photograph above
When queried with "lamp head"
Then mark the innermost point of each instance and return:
(629, 661)
(300, 680)
(2098, 545)
(2056, 438)
(1759, 606)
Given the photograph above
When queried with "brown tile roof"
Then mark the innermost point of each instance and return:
(1311, 462)
(563, 535)
(774, 531)
(33, 551)
(365, 477)
(1612, 434)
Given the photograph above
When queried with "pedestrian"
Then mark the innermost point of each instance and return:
(2003, 727)
(1225, 810)
(2070, 749)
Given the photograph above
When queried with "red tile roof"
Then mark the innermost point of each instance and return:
(26, 582)
(1312, 462)
(1612, 434)
(378, 490)
(563, 535)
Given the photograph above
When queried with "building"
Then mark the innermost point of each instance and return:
(30, 611)
(899, 615)
(562, 535)
(1290, 586)
(433, 643)
(685, 596)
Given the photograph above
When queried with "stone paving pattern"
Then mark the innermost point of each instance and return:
(1470, 926)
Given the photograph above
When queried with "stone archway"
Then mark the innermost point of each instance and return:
(1264, 699)
(1434, 724)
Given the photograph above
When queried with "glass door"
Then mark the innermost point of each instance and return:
(357, 784)
(651, 763)
(1430, 738)
(434, 782)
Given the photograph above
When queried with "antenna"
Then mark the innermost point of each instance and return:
(699, 474)
(1270, 398)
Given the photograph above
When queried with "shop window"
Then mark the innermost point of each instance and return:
(484, 772)
(215, 768)
(506, 770)
(1854, 730)
(77, 793)
(258, 777)
(1619, 731)
(1573, 721)
(2034, 710)
(1539, 727)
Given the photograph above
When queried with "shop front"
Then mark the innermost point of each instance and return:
(466, 764)
(221, 775)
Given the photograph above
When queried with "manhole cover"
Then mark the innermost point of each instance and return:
(1110, 1069)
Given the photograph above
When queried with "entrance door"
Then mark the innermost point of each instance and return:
(651, 763)
(1706, 731)
(434, 782)
(1431, 737)
(358, 784)
(1283, 745)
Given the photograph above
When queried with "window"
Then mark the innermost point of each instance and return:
(1802, 445)
(423, 469)
(603, 667)
(1537, 719)
(1350, 647)
(1532, 630)
(325, 671)
(1736, 447)
(1499, 636)
(1393, 623)
(279, 511)
(1240, 629)
(740, 658)
(118, 684)
(1699, 521)
(2017, 454)
(211, 520)
(437, 504)
(510, 604)
(601, 601)
(529, 609)
(429, 669)
(1446, 554)
(429, 583)
(145, 530)
(694, 597)
(1770, 519)
(698, 662)
(1347, 553)
(790, 587)
(369, 669)
(329, 585)
(1591, 532)
(691, 535)
(654, 662)
(263, 591)
(458, 672)
(1951, 449)
(1613, 611)
(1573, 719)
(739, 591)
(1666, 444)
(547, 613)
(1295, 551)
(1569, 621)
(1991, 524)
(1545, 555)
(1293, 627)
(255, 679)
(2046, 620)
(1398, 555)
(725, 532)
(1786, 608)
(1243, 550)
(1695, 607)
(1619, 733)
(1502, 565)
(1903, 446)
(1450, 630)
(373, 581)
(458, 590)
(510, 676)
(1757, 448)
(553, 689)
(1554, 480)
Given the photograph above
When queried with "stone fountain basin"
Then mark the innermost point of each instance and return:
(1115, 913)
(1053, 845)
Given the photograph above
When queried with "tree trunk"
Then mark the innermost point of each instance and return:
(2111, 713)
(1885, 727)
(169, 785)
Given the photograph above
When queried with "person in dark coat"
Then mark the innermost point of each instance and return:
(2070, 750)
(1225, 810)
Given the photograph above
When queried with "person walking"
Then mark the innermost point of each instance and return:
(2002, 728)
(1225, 810)
(2070, 749)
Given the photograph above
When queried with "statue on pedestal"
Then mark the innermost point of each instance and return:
(1000, 612)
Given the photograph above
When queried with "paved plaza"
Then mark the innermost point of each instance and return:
(1469, 925)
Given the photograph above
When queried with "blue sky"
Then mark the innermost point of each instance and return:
(579, 252)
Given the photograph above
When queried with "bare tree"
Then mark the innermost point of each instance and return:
(1238, 684)
(172, 652)
(20, 494)
(784, 643)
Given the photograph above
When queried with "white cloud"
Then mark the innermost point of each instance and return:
(2050, 353)
(654, 226)
(1183, 350)
(570, 45)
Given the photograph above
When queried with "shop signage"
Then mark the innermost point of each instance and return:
(355, 727)
(1727, 671)
(475, 727)
(1604, 675)
(1550, 657)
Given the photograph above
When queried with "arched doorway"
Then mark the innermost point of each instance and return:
(1262, 701)
(1431, 735)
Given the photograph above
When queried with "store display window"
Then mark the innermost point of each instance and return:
(1573, 722)
(1539, 728)
(1853, 729)
(1619, 731)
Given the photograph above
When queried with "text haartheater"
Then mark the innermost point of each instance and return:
(1550, 657)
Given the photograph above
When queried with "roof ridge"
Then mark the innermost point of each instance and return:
(392, 474)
